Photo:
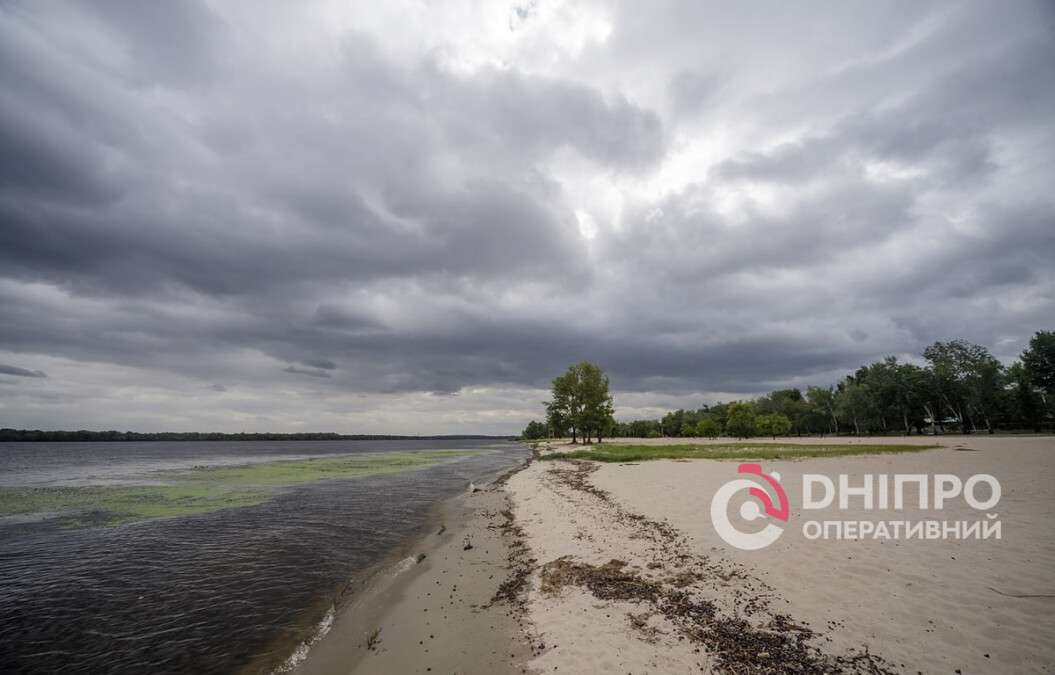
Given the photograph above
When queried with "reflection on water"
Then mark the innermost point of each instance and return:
(207, 592)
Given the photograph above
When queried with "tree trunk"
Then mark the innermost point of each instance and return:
(933, 422)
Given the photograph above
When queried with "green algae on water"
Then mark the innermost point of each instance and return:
(205, 489)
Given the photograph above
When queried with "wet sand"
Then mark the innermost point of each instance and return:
(439, 614)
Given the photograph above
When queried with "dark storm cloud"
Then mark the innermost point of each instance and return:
(310, 372)
(20, 372)
(321, 364)
(776, 196)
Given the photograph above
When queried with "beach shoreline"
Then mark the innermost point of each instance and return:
(441, 604)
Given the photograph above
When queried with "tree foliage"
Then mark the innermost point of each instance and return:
(772, 425)
(741, 420)
(580, 403)
(534, 431)
(958, 386)
(708, 428)
(1039, 361)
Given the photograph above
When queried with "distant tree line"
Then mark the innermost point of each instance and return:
(25, 435)
(961, 388)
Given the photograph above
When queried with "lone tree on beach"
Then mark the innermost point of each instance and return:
(580, 402)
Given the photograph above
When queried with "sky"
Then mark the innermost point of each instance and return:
(408, 216)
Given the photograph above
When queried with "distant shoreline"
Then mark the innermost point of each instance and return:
(84, 436)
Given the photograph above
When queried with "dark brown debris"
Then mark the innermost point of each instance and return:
(752, 638)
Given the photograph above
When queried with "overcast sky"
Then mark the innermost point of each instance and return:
(408, 216)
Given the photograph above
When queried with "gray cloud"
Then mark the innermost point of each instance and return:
(20, 372)
(701, 200)
(310, 372)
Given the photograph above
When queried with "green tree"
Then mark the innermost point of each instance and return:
(1039, 361)
(561, 409)
(580, 400)
(643, 429)
(854, 403)
(1026, 403)
(707, 428)
(596, 406)
(741, 421)
(534, 431)
(672, 423)
(985, 386)
(787, 402)
(821, 402)
(773, 425)
(968, 380)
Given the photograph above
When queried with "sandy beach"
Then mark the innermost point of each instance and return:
(586, 567)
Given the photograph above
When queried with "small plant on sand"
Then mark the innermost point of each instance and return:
(373, 641)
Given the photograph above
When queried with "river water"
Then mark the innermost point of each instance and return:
(169, 589)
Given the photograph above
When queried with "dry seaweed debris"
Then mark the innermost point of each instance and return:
(608, 582)
(751, 639)
(521, 566)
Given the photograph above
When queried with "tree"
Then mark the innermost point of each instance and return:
(741, 421)
(787, 402)
(773, 425)
(985, 386)
(707, 428)
(1039, 361)
(643, 429)
(1026, 403)
(912, 391)
(561, 408)
(580, 400)
(534, 431)
(853, 403)
(968, 379)
(672, 423)
(822, 405)
(596, 407)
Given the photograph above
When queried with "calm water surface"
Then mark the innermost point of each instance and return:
(207, 593)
